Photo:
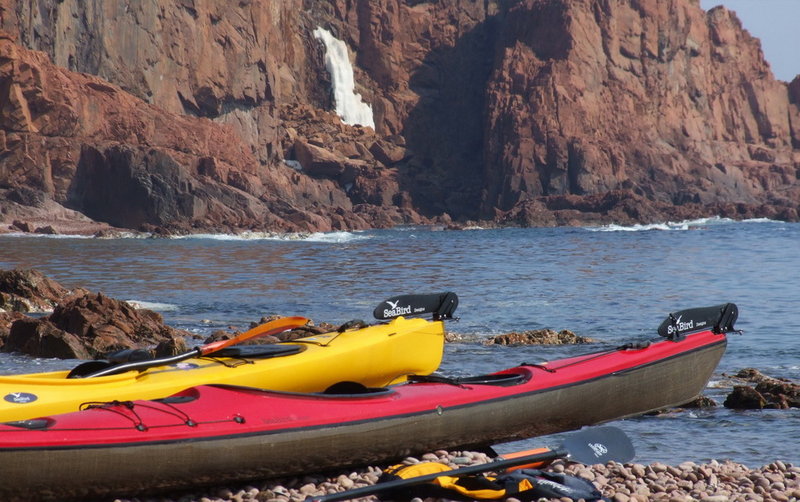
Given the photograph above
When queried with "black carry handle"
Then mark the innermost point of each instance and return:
(441, 305)
(596, 445)
(718, 319)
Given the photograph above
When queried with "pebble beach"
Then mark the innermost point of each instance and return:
(631, 482)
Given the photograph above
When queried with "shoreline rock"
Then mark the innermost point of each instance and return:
(86, 325)
(31, 291)
(539, 337)
(768, 392)
(80, 324)
(91, 326)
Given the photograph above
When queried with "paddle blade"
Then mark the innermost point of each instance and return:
(598, 445)
(270, 328)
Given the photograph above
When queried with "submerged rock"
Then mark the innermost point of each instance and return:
(701, 402)
(768, 392)
(89, 326)
(539, 337)
(745, 398)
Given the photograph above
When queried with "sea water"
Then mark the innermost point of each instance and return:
(613, 284)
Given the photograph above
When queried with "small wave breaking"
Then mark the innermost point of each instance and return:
(330, 237)
(680, 225)
(45, 236)
(156, 306)
(105, 236)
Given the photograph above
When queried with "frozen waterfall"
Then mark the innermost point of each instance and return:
(348, 104)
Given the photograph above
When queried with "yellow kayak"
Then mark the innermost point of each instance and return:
(374, 356)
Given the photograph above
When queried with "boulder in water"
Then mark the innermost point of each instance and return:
(539, 337)
(91, 326)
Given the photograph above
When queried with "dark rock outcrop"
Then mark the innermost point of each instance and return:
(745, 398)
(700, 402)
(539, 337)
(88, 327)
(81, 326)
(41, 338)
(31, 291)
(537, 112)
(768, 392)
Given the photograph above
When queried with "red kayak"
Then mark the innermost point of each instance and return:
(209, 434)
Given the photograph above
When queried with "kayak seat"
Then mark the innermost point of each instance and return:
(353, 389)
(499, 379)
(177, 399)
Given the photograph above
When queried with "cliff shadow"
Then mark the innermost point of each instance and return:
(446, 129)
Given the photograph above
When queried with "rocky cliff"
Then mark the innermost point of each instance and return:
(184, 115)
(658, 99)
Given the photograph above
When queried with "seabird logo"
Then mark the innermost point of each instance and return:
(557, 487)
(20, 397)
(185, 366)
(599, 449)
(395, 310)
(679, 326)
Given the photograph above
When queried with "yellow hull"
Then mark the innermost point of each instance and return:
(375, 356)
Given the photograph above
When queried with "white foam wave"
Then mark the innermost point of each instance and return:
(761, 220)
(45, 236)
(334, 237)
(109, 236)
(679, 225)
(158, 307)
(126, 235)
(640, 228)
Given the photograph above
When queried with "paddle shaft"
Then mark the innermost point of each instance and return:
(496, 465)
(269, 328)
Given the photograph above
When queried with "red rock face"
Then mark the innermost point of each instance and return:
(179, 115)
(87, 145)
(660, 99)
